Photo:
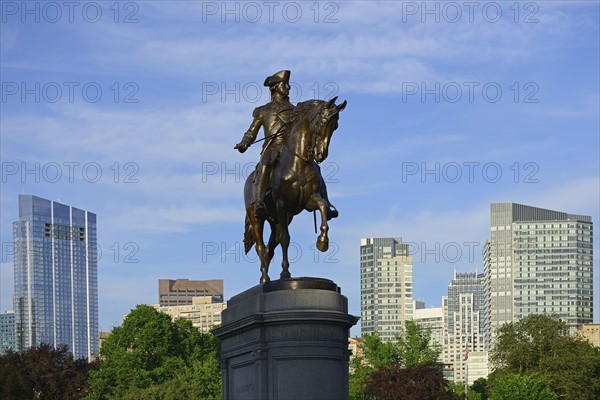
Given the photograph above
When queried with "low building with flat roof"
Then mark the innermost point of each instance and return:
(179, 292)
(204, 312)
(591, 332)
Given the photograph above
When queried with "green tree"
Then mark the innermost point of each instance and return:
(412, 348)
(541, 344)
(373, 354)
(480, 386)
(419, 382)
(458, 388)
(44, 372)
(415, 347)
(150, 356)
(514, 386)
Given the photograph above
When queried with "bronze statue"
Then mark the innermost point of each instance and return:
(273, 117)
(287, 179)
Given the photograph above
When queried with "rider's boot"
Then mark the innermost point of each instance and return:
(259, 205)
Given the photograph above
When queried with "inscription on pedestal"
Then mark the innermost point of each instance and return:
(244, 389)
(244, 381)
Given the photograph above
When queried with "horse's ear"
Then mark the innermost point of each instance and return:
(342, 106)
(331, 102)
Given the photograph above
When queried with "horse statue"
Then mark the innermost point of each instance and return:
(295, 183)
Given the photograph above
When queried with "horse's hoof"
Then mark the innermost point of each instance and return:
(323, 244)
(285, 275)
(264, 279)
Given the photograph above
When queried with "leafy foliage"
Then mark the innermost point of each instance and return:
(412, 383)
(415, 347)
(375, 354)
(44, 372)
(150, 356)
(480, 386)
(458, 388)
(523, 387)
(541, 344)
(411, 349)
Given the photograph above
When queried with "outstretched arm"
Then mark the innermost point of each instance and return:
(251, 133)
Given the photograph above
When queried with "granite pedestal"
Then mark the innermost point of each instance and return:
(286, 339)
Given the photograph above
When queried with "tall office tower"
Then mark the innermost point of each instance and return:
(385, 286)
(538, 261)
(464, 324)
(180, 292)
(56, 282)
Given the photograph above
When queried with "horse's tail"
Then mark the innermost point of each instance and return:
(248, 236)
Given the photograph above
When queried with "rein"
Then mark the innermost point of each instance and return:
(308, 158)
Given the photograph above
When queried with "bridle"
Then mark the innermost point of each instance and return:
(309, 157)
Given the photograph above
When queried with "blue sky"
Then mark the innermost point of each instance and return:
(131, 110)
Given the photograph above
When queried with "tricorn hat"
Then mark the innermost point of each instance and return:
(281, 76)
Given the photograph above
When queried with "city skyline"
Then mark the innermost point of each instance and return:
(133, 112)
(392, 252)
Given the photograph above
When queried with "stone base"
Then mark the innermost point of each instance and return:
(286, 339)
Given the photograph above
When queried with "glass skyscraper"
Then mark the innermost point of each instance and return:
(55, 272)
(538, 261)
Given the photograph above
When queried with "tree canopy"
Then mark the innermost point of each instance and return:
(151, 356)
(44, 372)
(523, 387)
(417, 382)
(412, 348)
(415, 347)
(541, 344)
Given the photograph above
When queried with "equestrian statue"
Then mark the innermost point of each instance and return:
(287, 179)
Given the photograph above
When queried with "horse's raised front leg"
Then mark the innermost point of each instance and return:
(284, 239)
(323, 239)
(257, 230)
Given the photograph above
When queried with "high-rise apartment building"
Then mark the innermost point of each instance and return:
(464, 324)
(180, 292)
(55, 276)
(7, 331)
(385, 286)
(538, 261)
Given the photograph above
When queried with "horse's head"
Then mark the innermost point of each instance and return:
(327, 123)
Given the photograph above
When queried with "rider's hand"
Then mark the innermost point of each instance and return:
(241, 147)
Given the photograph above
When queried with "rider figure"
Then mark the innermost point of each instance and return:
(274, 118)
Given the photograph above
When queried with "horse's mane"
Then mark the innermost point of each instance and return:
(308, 109)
